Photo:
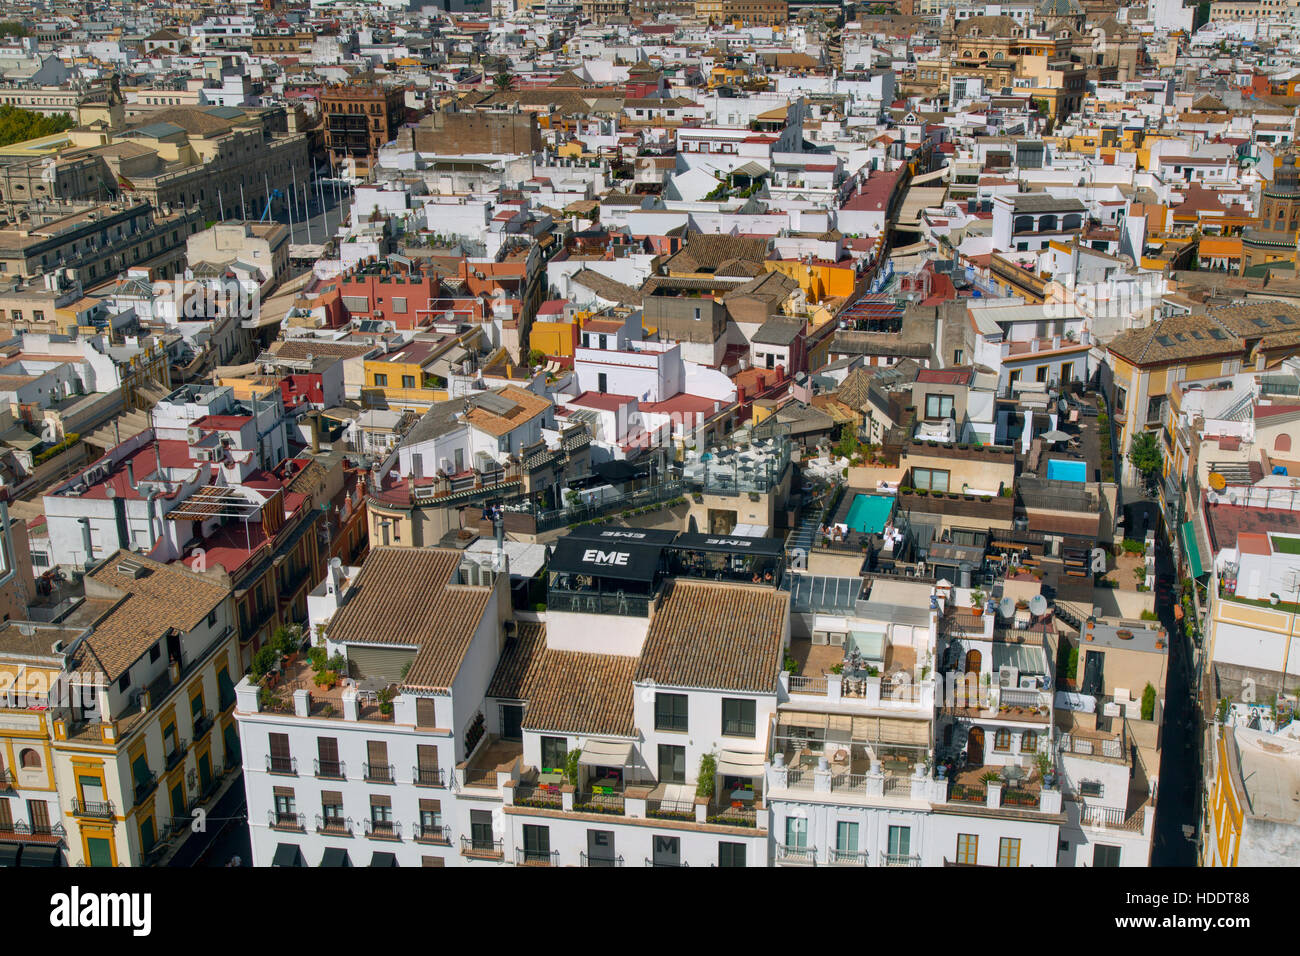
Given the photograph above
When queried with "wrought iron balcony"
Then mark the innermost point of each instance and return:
(333, 826)
(585, 860)
(330, 769)
(423, 777)
(378, 772)
(202, 724)
(383, 830)
(433, 833)
(284, 766)
(525, 857)
(95, 809)
(281, 820)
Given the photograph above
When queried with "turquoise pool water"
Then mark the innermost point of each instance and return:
(870, 513)
(1062, 470)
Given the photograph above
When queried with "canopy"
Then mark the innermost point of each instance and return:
(287, 854)
(732, 763)
(1193, 551)
(606, 753)
(637, 535)
(615, 559)
(41, 855)
(383, 859)
(335, 856)
(9, 854)
(1055, 435)
(729, 544)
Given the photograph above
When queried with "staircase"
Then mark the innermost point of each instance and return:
(117, 430)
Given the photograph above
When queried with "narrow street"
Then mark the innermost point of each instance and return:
(226, 836)
(1178, 797)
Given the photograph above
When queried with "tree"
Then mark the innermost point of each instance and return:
(1149, 703)
(18, 125)
(504, 81)
(1144, 455)
(536, 357)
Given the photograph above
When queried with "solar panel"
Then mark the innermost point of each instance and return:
(1164, 340)
(1284, 319)
(494, 403)
(1217, 335)
(1259, 323)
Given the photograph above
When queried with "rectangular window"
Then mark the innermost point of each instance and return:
(968, 845)
(796, 831)
(846, 837)
(327, 750)
(672, 764)
(281, 762)
(480, 829)
(731, 854)
(1040, 375)
(430, 814)
(537, 844)
(284, 805)
(425, 712)
(900, 843)
(929, 479)
(377, 767)
(670, 712)
(555, 752)
(1092, 788)
(1103, 855)
(938, 406)
(426, 757)
(1008, 852)
(738, 717)
(331, 806)
(381, 381)
(1121, 400)
(408, 381)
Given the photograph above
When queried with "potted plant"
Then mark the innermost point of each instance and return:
(991, 776)
(977, 602)
(1045, 771)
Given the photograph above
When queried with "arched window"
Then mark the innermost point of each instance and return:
(29, 759)
(1282, 443)
(999, 55)
(1002, 739)
(1047, 223)
(984, 54)
(1029, 742)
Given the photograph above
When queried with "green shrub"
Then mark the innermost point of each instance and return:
(1150, 616)
(263, 661)
(790, 664)
(1149, 702)
(1133, 546)
(1072, 663)
(571, 768)
(708, 770)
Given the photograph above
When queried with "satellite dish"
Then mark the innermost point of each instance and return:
(1037, 605)
(1217, 481)
(1007, 608)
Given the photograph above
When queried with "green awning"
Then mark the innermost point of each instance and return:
(1191, 549)
(383, 859)
(287, 854)
(335, 856)
(9, 854)
(40, 855)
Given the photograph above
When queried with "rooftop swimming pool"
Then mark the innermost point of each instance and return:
(870, 513)
(1061, 469)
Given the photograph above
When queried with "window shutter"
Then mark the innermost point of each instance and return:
(425, 712)
(376, 752)
(280, 746)
(328, 750)
(283, 792)
(427, 757)
(380, 800)
(431, 806)
(331, 798)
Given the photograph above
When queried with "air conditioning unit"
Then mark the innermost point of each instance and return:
(819, 637)
(193, 435)
(1029, 683)
(1008, 676)
(837, 640)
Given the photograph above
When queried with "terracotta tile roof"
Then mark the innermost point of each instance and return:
(406, 597)
(165, 596)
(715, 250)
(725, 637)
(527, 407)
(567, 691)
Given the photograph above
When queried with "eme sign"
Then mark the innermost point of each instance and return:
(730, 542)
(607, 558)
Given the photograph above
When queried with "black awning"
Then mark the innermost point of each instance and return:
(611, 533)
(335, 856)
(617, 559)
(383, 859)
(287, 854)
(35, 855)
(729, 544)
(9, 854)
(613, 471)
